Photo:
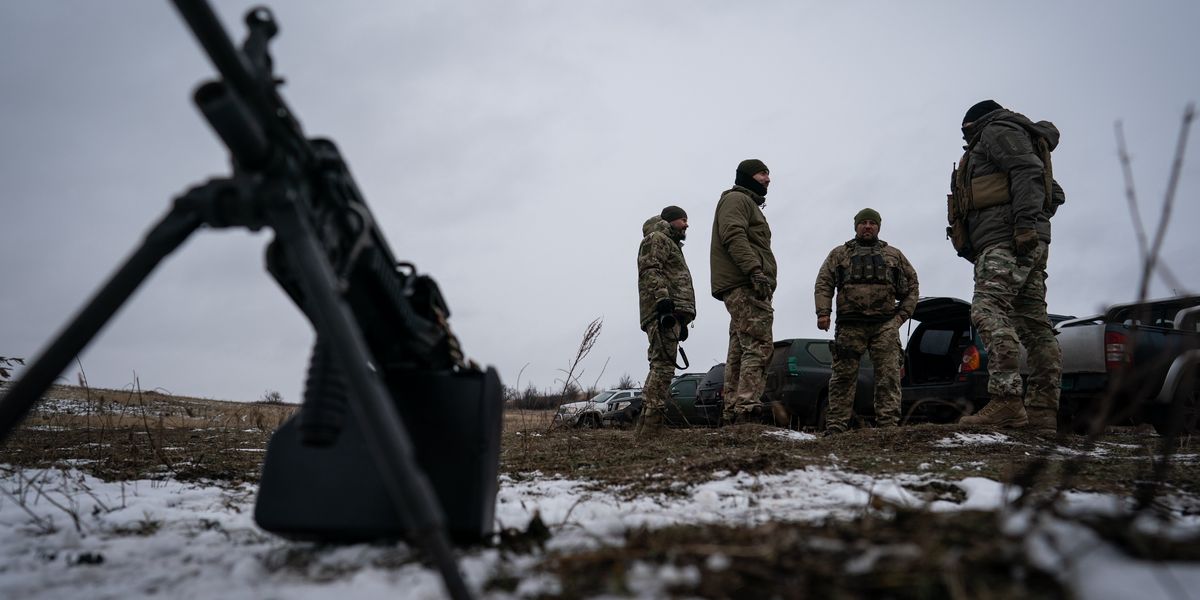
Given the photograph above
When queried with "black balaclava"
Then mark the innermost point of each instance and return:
(976, 112)
(746, 171)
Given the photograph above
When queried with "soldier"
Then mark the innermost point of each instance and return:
(743, 277)
(668, 304)
(876, 293)
(1004, 194)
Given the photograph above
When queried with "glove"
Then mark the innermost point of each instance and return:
(1025, 241)
(762, 284)
(683, 333)
(664, 306)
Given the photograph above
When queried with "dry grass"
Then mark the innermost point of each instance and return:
(888, 551)
(612, 457)
(520, 419)
(118, 435)
(123, 434)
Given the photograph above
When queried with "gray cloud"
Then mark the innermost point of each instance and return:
(514, 149)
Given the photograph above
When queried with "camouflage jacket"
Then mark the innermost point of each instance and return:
(741, 241)
(873, 283)
(663, 272)
(1003, 141)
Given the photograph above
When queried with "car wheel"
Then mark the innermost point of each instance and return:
(1182, 417)
(822, 408)
(591, 421)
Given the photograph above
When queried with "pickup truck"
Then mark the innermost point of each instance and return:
(1135, 363)
(588, 413)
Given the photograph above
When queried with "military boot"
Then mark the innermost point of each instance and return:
(999, 412)
(1043, 419)
(833, 430)
(650, 422)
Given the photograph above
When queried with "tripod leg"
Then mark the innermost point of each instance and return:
(161, 240)
(384, 432)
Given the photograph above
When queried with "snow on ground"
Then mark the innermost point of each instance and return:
(64, 534)
(972, 439)
(790, 434)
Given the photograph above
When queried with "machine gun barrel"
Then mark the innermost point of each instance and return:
(234, 123)
(245, 73)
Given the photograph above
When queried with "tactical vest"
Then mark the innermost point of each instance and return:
(867, 266)
(986, 191)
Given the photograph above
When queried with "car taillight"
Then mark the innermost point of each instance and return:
(970, 359)
(1115, 355)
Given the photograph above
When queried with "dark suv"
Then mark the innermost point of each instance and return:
(710, 394)
(945, 362)
(682, 410)
(797, 390)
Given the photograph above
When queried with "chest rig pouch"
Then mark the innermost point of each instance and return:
(867, 266)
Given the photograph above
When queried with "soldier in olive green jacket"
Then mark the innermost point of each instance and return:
(876, 290)
(743, 277)
(667, 304)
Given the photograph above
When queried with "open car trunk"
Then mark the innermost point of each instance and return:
(935, 349)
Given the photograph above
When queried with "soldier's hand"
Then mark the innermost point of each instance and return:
(762, 284)
(823, 322)
(683, 331)
(664, 306)
(1025, 241)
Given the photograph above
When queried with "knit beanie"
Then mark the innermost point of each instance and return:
(671, 213)
(751, 167)
(979, 110)
(867, 214)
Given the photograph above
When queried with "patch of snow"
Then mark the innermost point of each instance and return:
(1095, 569)
(64, 534)
(789, 434)
(972, 439)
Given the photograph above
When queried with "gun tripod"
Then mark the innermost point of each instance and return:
(375, 412)
(285, 182)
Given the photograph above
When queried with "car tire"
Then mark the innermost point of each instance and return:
(822, 409)
(1182, 416)
(591, 421)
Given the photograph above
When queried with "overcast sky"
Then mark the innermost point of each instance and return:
(513, 150)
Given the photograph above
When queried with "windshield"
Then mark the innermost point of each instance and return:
(602, 396)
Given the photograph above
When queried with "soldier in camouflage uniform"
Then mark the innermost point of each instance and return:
(668, 304)
(876, 291)
(1004, 195)
(743, 277)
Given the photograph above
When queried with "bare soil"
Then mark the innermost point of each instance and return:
(119, 435)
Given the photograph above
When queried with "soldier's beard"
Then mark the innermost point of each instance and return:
(867, 241)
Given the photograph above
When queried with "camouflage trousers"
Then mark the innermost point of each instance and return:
(750, 346)
(1009, 310)
(664, 344)
(850, 341)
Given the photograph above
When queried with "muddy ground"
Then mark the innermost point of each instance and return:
(119, 435)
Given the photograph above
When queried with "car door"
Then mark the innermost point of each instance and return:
(681, 408)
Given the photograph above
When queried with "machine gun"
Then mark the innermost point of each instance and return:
(419, 457)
